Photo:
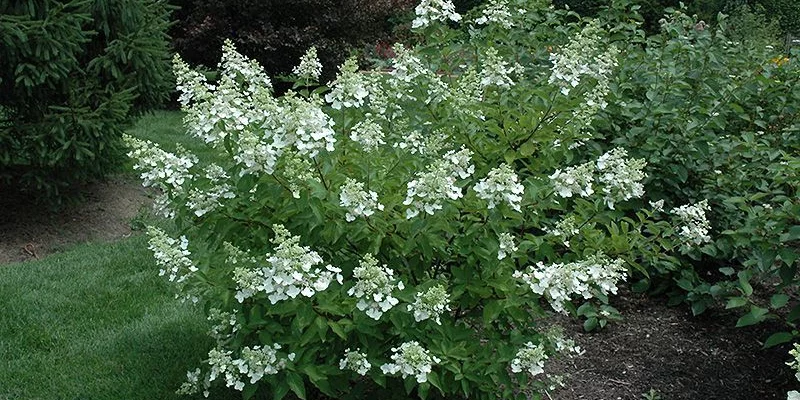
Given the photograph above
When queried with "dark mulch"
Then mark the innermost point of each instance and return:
(677, 355)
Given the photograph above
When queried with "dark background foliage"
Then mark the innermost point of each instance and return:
(278, 32)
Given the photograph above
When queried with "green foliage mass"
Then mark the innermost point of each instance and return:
(71, 75)
(715, 113)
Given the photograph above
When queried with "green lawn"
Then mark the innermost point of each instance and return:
(96, 321)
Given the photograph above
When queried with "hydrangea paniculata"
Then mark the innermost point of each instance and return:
(430, 188)
(621, 177)
(411, 359)
(309, 69)
(172, 255)
(695, 227)
(374, 286)
(501, 185)
(350, 89)
(290, 271)
(498, 13)
(430, 304)
(428, 11)
(574, 180)
(558, 282)
(355, 361)
(530, 359)
(357, 201)
(508, 245)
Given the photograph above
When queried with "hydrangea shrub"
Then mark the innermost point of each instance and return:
(405, 233)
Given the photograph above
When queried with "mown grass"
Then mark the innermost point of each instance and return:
(96, 321)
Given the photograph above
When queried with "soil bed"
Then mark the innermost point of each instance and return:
(677, 355)
(29, 230)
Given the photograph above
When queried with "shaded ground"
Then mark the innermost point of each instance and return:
(677, 355)
(667, 350)
(30, 231)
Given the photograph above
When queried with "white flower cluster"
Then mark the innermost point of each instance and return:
(507, 245)
(430, 304)
(298, 171)
(621, 176)
(192, 384)
(529, 358)
(562, 343)
(253, 363)
(172, 255)
(428, 11)
(467, 94)
(256, 155)
(203, 202)
(581, 57)
(374, 287)
(369, 134)
(223, 325)
(496, 12)
(411, 359)
(309, 68)
(565, 229)
(695, 226)
(501, 185)
(406, 66)
(358, 201)
(306, 126)
(289, 273)
(232, 106)
(574, 180)
(495, 71)
(558, 282)
(234, 65)
(424, 144)
(350, 89)
(430, 188)
(160, 169)
(242, 105)
(355, 361)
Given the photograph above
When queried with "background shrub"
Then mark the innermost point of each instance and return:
(71, 74)
(714, 112)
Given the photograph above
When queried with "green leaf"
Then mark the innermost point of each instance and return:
(756, 315)
(297, 385)
(744, 283)
(727, 271)
(249, 391)
(736, 302)
(792, 234)
(527, 149)
(778, 300)
(491, 310)
(778, 338)
(590, 324)
(698, 307)
(337, 329)
(280, 391)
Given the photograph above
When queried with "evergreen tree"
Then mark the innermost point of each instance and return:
(72, 73)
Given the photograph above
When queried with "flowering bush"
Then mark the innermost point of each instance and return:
(404, 232)
(716, 120)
